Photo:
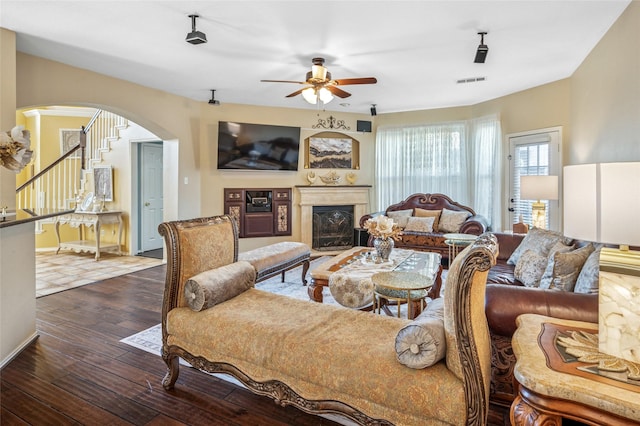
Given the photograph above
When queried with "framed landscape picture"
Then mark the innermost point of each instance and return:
(331, 150)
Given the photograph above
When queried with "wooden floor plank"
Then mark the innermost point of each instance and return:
(77, 371)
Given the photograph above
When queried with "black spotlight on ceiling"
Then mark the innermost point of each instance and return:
(195, 37)
(483, 49)
(373, 110)
(213, 100)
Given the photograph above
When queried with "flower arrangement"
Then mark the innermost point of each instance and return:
(14, 148)
(383, 227)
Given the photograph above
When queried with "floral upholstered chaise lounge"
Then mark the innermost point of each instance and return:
(321, 358)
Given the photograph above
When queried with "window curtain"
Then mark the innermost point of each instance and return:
(459, 159)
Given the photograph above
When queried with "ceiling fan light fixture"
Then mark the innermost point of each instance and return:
(312, 94)
(325, 95)
(195, 37)
(483, 49)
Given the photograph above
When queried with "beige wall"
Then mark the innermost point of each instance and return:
(598, 109)
(189, 130)
(605, 92)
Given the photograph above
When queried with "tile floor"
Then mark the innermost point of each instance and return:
(65, 270)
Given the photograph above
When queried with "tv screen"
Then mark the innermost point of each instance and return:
(243, 146)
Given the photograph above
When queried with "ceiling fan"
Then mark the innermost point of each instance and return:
(321, 86)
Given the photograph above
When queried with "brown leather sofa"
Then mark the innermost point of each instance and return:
(431, 241)
(506, 298)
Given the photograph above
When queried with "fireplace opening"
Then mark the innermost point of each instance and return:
(332, 228)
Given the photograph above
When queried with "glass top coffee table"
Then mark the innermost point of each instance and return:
(400, 287)
(349, 274)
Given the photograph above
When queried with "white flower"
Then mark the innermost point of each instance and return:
(15, 152)
(383, 227)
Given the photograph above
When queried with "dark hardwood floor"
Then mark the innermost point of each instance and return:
(77, 371)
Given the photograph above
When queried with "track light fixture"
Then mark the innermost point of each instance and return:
(195, 37)
(213, 100)
(483, 49)
(373, 110)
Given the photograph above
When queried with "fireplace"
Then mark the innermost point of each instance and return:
(311, 196)
(332, 228)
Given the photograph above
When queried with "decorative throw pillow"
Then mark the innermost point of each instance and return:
(400, 217)
(538, 240)
(422, 343)
(420, 224)
(530, 268)
(214, 286)
(565, 268)
(558, 247)
(451, 221)
(429, 213)
(589, 279)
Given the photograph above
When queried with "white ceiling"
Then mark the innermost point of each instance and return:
(416, 49)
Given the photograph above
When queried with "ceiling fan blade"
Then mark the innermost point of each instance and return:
(362, 80)
(283, 81)
(296, 93)
(338, 92)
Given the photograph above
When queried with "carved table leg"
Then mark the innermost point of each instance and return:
(523, 414)
(315, 291)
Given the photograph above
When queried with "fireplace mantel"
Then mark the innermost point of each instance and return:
(330, 195)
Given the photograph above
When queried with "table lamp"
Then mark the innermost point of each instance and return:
(602, 204)
(542, 187)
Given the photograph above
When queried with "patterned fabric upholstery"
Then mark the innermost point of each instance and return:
(273, 257)
(324, 358)
(206, 244)
(215, 286)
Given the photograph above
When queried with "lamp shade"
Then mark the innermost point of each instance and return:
(602, 202)
(539, 187)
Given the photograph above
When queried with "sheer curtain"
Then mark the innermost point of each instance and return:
(460, 159)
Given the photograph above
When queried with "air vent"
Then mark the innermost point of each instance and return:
(471, 80)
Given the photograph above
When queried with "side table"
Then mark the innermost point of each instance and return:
(89, 219)
(457, 241)
(553, 385)
(401, 287)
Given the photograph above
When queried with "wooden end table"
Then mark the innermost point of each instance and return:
(553, 385)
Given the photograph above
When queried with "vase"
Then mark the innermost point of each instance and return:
(383, 247)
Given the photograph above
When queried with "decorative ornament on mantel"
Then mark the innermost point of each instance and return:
(15, 152)
(330, 123)
(351, 178)
(311, 177)
(331, 178)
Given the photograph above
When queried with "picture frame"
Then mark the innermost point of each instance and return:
(103, 182)
(68, 139)
(331, 150)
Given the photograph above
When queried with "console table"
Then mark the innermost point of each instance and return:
(554, 385)
(82, 220)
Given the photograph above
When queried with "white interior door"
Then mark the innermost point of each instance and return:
(537, 152)
(150, 195)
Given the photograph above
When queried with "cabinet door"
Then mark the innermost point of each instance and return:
(282, 217)
(258, 225)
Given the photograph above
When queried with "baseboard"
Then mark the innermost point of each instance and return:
(19, 349)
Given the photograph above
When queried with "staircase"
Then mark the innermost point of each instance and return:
(60, 185)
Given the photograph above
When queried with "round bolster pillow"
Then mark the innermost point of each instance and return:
(217, 285)
(422, 343)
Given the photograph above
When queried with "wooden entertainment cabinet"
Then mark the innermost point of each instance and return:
(259, 212)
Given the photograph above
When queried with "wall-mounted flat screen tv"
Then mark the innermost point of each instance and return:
(243, 146)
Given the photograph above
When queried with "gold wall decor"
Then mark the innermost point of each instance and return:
(331, 150)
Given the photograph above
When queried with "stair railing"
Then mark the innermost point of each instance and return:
(58, 185)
